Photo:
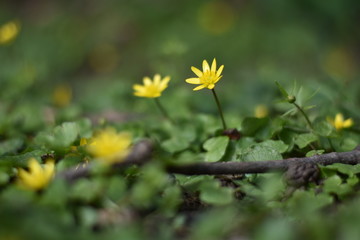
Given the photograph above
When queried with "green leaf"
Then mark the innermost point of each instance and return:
(180, 141)
(216, 148)
(86, 190)
(278, 145)
(251, 125)
(66, 134)
(116, 188)
(347, 169)
(147, 188)
(170, 199)
(323, 128)
(302, 140)
(314, 152)
(61, 137)
(84, 128)
(11, 146)
(334, 185)
(20, 160)
(261, 153)
(211, 192)
(282, 90)
(306, 203)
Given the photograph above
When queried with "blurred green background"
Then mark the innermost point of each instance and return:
(89, 53)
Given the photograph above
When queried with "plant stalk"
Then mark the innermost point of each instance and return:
(162, 109)
(219, 108)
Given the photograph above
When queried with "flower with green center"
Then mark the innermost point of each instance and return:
(339, 123)
(151, 89)
(208, 77)
(38, 177)
(110, 146)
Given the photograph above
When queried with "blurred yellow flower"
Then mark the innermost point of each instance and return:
(83, 141)
(207, 77)
(151, 89)
(217, 17)
(261, 111)
(62, 95)
(38, 177)
(339, 122)
(9, 31)
(109, 145)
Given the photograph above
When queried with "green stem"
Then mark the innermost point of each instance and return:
(304, 114)
(162, 109)
(219, 108)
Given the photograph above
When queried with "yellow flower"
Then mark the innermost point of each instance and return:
(110, 146)
(208, 77)
(151, 89)
(83, 141)
(261, 111)
(38, 177)
(62, 95)
(339, 122)
(9, 31)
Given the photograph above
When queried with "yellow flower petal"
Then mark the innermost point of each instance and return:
(339, 122)
(205, 66)
(138, 87)
(211, 86)
(193, 80)
(219, 71)
(37, 177)
(213, 65)
(147, 81)
(197, 71)
(218, 79)
(199, 87)
(110, 146)
(348, 123)
(164, 83)
(157, 79)
(339, 119)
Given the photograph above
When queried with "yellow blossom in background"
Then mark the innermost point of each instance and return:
(9, 31)
(109, 145)
(83, 141)
(104, 58)
(217, 17)
(340, 63)
(62, 95)
(261, 111)
(37, 177)
(151, 88)
(339, 122)
(207, 77)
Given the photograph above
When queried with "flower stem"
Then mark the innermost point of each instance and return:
(304, 114)
(162, 110)
(219, 108)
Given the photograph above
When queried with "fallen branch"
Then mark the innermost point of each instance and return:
(223, 168)
(142, 152)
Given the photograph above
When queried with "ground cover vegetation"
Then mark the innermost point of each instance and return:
(191, 120)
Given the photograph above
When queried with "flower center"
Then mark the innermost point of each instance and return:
(208, 77)
(153, 90)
